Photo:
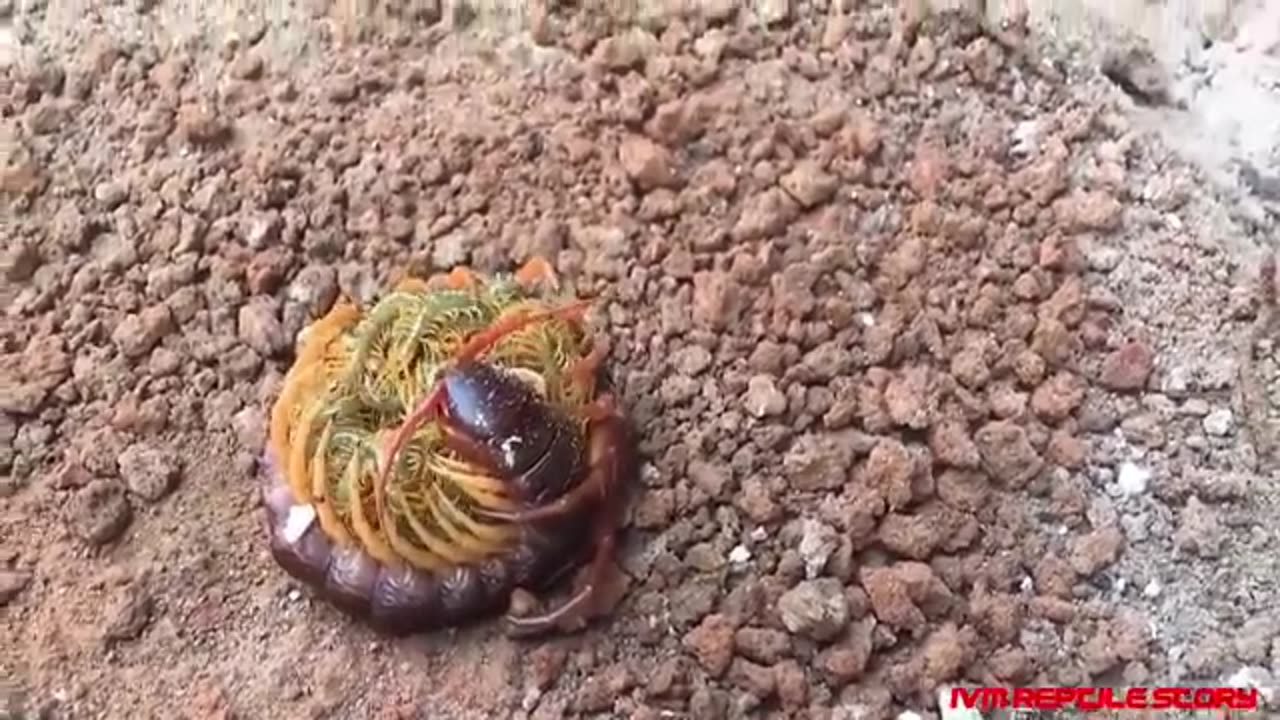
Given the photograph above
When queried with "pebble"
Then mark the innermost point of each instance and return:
(1196, 407)
(260, 328)
(136, 335)
(99, 512)
(647, 163)
(128, 615)
(150, 472)
(712, 643)
(817, 542)
(1128, 367)
(773, 12)
(1135, 527)
(763, 397)
(1254, 677)
(1199, 531)
(110, 194)
(12, 583)
(815, 608)
(1219, 422)
(1132, 479)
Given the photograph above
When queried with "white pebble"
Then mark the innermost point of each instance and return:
(1253, 677)
(739, 555)
(909, 715)
(532, 696)
(1218, 422)
(1132, 480)
(1152, 590)
(817, 542)
(1026, 137)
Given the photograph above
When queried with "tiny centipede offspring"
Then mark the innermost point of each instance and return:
(434, 454)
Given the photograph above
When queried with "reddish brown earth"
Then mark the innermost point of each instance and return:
(892, 306)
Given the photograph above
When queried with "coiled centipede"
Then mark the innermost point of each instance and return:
(430, 456)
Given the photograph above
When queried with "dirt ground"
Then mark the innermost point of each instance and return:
(948, 369)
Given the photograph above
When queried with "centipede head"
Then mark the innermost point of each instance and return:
(476, 346)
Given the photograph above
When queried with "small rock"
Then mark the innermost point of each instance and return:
(199, 124)
(1084, 211)
(817, 609)
(711, 643)
(150, 472)
(128, 615)
(1132, 479)
(20, 262)
(717, 299)
(1219, 422)
(757, 680)
(110, 194)
(848, 660)
(792, 685)
(1094, 551)
(764, 215)
(647, 163)
(99, 512)
(599, 691)
(546, 662)
(12, 583)
(1199, 532)
(773, 12)
(763, 398)
(1128, 367)
(809, 184)
(692, 360)
(250, 425)
(762, 645)
(260, 327)
(817, 462)
(137, 334)
(343, 88)
(1008, 453)
(625, 50)
(817, 542)
(315, 287)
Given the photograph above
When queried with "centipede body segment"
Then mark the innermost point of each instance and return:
(433, 453)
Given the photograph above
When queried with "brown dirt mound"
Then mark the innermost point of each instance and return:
(840, 271)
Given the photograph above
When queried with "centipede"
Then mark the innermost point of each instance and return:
(435, 452)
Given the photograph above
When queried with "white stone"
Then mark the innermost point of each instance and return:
(1132, 480)
(1219, 422)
